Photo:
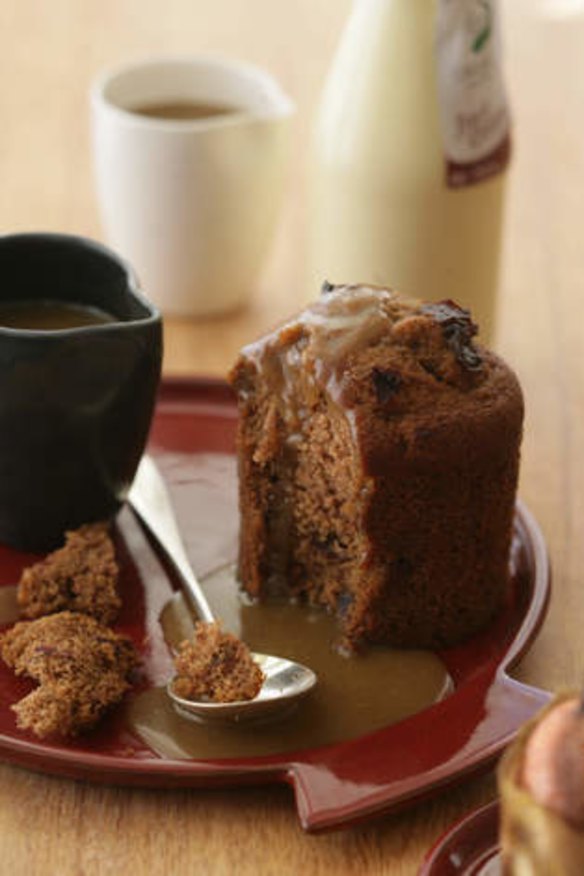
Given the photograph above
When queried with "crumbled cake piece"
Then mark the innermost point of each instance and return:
(216, 666)
(81, 576)
(82, 668)
(378, 453)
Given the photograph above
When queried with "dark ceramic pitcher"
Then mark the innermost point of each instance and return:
(75, 403)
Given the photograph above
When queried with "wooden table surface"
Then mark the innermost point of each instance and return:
(48, 54)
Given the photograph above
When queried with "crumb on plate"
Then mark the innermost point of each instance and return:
(81, 576)
(82, 668)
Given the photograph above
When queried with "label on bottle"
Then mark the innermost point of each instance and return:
(474, 114)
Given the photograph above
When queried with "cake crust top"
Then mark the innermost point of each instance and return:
(380, 355)
(348, 324)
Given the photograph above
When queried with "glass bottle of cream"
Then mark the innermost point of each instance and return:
(410, 147)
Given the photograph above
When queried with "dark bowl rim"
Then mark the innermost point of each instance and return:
(153, 316)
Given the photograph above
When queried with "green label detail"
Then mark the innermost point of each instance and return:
(484, 34)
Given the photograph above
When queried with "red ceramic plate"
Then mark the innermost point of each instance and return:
(334, 785)
(468, 848)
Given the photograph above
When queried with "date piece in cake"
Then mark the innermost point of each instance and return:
(83, 668)
(378, 451)
(216, 666)
(81, 576)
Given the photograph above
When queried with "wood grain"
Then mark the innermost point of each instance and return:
(49, 53)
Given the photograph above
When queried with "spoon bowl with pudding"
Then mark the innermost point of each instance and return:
(285, 681)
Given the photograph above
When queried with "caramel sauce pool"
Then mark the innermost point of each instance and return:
(47, 315)
(355, 695)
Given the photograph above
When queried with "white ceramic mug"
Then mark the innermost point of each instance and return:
(192, 204)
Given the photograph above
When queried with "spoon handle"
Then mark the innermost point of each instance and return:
(150, 500)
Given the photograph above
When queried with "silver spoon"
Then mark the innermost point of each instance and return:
(285, 681)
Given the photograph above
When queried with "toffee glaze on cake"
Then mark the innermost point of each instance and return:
(378, 451)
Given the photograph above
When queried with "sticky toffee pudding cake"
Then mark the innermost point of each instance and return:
(378, 451)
